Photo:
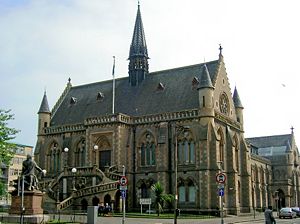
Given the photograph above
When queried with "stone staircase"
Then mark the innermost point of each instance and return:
(108, 182)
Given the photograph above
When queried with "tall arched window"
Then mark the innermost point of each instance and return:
(148, 151)
(103, 153)
(80, 152)
(237, 154)
(53, 158)
(221, 146)
(186, 149)
(186, 191)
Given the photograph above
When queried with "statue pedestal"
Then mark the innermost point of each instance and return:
(32, 203)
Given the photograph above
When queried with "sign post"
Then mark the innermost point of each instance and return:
(221, 178)
(123, 183)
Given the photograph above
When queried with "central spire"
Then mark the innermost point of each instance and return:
(138, 53)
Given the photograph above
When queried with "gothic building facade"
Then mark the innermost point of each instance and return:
(183, 119)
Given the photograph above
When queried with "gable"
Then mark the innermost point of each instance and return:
(222, 88)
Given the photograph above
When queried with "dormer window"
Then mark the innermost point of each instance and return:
(195, 82)
(160, 87)
(100, 96)
(73, 100)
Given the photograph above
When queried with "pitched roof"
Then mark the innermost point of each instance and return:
(272, 145)
(236, 99)
(205, 81)
(178, 95)
(44, 108)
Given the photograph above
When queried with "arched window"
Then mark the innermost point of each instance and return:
(54, 158)
(103, 154)
(191, 192)
(148, 152)
(181, 193)
(144, 191)
(80, 153)
(221, 146)
(186, 191)
(237, 154)
(186, 149)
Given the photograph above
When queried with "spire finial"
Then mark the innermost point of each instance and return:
(220, 49)
(69, 80)
(292, 128)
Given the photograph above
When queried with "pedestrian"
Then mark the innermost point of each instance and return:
(269, 218)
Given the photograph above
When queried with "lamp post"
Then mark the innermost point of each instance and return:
(178, 131)
(66, 150)
(74, 170)
(95, 152)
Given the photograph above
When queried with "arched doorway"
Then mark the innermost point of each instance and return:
(95, 201)
(84, 204)
(279, 199)
(107, 199)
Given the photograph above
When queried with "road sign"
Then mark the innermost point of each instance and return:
(221, 186)
(123, 194)
(123, 188)
(221, 192)
(123, 181)
(221, 178)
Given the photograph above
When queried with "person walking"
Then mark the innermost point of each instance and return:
(269, 218)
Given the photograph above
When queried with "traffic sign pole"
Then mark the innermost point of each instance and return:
(123, 198)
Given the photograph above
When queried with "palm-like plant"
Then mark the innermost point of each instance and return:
(160, 197)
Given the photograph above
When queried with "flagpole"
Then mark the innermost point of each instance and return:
(114, 84)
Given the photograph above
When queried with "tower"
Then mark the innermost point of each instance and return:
(44, 115)
(138, 66)
(238, 107)
(206, 91)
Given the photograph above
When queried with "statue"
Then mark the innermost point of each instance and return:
(28, 171)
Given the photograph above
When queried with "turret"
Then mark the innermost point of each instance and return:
(138, 66)
(238, 107)
(44, 115)
(206, 91)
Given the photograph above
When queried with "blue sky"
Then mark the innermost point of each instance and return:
(44, 42)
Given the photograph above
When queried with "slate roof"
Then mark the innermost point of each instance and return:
(236, 99)
(272, 145)
(138, 45)
(205, 81)
(144, 99)
(44, 108)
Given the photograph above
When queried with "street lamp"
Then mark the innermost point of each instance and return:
(74, 170)
(178, 131)
(95, 152)
(66, 150)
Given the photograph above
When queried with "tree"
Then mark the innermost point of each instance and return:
(6, 134)
(160, 197)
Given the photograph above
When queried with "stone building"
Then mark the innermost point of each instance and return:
(143, 121)
(11, 172)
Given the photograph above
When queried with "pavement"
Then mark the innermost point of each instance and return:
(259, 218)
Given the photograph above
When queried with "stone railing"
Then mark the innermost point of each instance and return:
(96, 189)
(65, 203)
(166, 116)
(112, 186)
(64, 128)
